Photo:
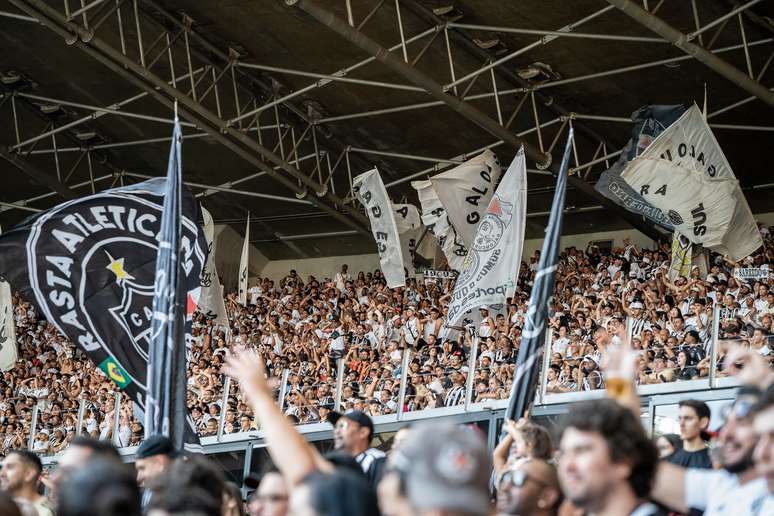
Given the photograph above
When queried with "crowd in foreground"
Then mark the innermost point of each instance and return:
(604, 463)
(313, 330)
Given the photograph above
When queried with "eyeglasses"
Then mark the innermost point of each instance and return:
(517, 478)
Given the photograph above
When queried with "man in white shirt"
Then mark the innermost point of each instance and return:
(735, 489)
(254, 292)
(342, 278)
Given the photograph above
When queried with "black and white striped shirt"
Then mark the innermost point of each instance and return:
(455, 396)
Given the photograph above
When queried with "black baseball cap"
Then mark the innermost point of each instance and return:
(156, 445)
(358, 416)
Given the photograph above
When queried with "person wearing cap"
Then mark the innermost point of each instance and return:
(694, 418)
(634, 311)
(352, 433)
(440, 469)
(592, 377)
(154, 457)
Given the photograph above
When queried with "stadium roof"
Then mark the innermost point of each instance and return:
(281, 97)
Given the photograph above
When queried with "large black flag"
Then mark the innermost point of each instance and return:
(525, 376)
(89, 265)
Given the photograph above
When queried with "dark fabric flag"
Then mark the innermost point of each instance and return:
(89, 265)
(525, 376)
(166, 411)
(649, 122)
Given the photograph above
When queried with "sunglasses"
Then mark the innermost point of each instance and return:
(517, 478)
(740, 409)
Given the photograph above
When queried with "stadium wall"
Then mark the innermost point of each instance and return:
(328, 266)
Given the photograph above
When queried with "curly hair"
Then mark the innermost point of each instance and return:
(626, 438)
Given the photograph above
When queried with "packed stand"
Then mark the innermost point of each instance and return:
(310, 331)
(600, 461)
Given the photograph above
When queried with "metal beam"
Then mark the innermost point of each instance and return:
(462, 38)
(466, 110)
(399, 66)
(38, 175)
(239, 143)
(682, 41)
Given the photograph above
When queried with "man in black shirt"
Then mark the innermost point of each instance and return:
(694, 418)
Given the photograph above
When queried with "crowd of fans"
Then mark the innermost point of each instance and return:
(311, 330)
(601, 461)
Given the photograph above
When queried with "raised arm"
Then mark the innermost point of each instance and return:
(290, 452)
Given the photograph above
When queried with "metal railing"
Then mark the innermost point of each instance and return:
(473, 402)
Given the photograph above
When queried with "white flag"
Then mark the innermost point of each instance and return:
(7, 329)
(685, 174)
(244, 266)
(370, 191)
(465, 191)
(211, 299)
(436, 220)
(491, 267)
(410, 230)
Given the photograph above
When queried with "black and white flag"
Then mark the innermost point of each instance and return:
(370, 191)
(165, 411)
(465, 192)
(409, 225)
(211, 302)
(437, 222)
(684, 172)
(649, 122)
(8, 352)
(525, 376)
(244, 267)
(89, 265)
(491, 266)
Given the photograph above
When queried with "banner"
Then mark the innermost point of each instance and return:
(751, 273)
(211, 302)
(685, 174)
(525, 376)
(8, 352)
(437, 223)
(244, 266)
(491, 266)
(649, 122)
(681, 257)
(410, 229)
(90, 267)
(370, 191)
(465, 191)
(431, 274)
(165, 410)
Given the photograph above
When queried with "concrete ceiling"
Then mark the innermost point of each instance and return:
(269, 33)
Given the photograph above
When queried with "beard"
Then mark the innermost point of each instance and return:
(742, 464)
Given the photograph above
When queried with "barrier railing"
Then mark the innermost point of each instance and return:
(486, 386)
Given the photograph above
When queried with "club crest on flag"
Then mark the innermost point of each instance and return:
(97, 254)
(498, 217)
